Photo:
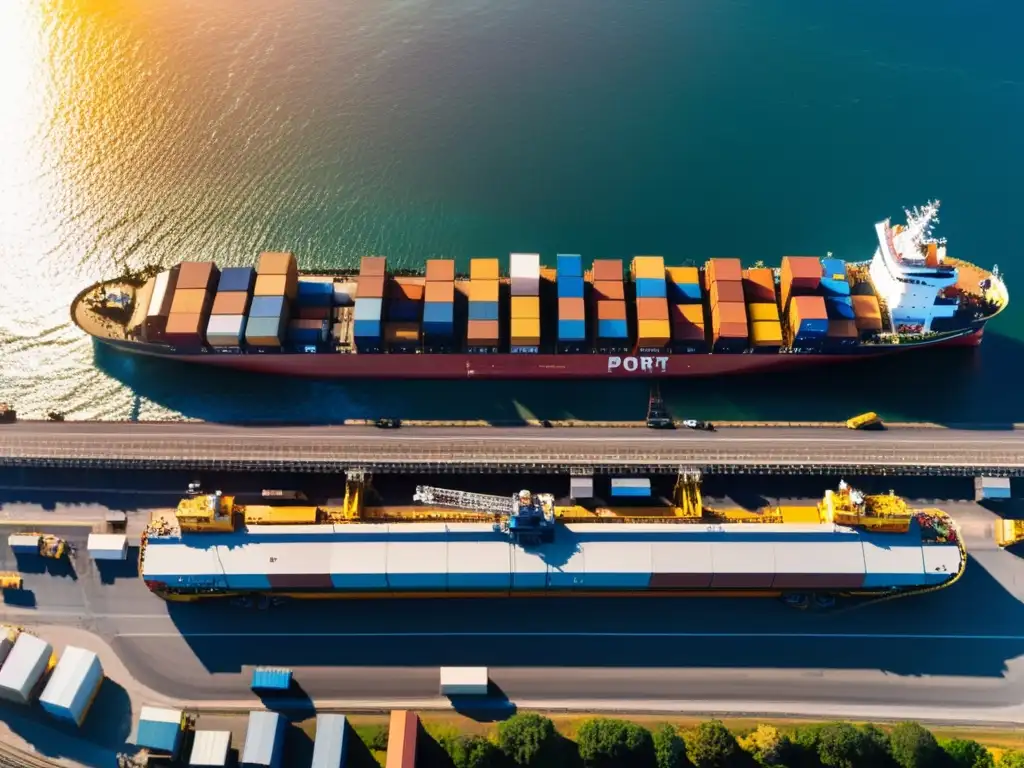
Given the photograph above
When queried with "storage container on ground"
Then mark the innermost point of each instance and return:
(264, 740)
(991, 488)
(159, 730)
(210, 749)
(73, 686)
(24, 668)
(24, 543)
(330, 747)
(271, 679)
(464, 681)
(631, 486)
(107, 546)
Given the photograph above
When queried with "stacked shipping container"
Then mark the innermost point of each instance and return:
(729, 331)
(225, 330)
(572, 309)
(610, 328)
(867, 314)
(368, 317)
(439, 303)
(524, 271)
(686, 308)
(311, 315)
(405, 314)
(762, 309)
(160, 305)
(277, 277)
(191, 304)
(482, 331)
(835, 287)
(652, 320)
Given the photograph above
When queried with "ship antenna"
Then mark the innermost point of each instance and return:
(921, 222)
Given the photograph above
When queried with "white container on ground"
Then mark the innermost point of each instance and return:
(210, 749)
(464, 681)
(108, 546)
(986, 488)
(73, 686)
(24, 667)
(24, 543)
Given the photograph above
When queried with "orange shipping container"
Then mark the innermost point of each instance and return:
(186, 328)
(728, 292)
(440, 270)
(729, 270)
(483, 290)
(692, 313)
(277, 263)
(653, 333)
(652, 309)
(443, 293)
(648, 267)
(687, 322)
(866, 306)
(483, 269)
(730, 331)
(373, 265)
(766, 333)
(526, 307)
(611, 310)
(190, 301)
(842, 329)
(759, 286)
(482, 331)
(802, 272)
(525, 332)
(405, 288)
(609, 290)
(683, 275)
(276, 285)
(370, 287)
(231, 303)
(807, 308)
(608, 269)
(763, 312)
(732, 314)
(571, 309)
(403, 731)
(869, 323)
(197, 274)
(401, 333)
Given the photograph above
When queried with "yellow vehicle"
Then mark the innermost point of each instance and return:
(869, 420)
(10, 580)
(52, 546)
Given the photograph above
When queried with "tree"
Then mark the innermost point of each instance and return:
(605, 743)
(714, 746)
(967, 753)
(877, 750)
(1012, 758)
(914, 747)
(767, 745)
(473, 752)
(530, 740)
(669, 748)
(840, 745)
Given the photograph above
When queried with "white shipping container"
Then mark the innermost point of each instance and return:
(24, 667)
(524, 265)
(631, 482)
(24, 542)
(159, 297)
(463, 681)
(581, 487)
(225, 330)
(991, 488)
(210, 749)
(73, 685)
(108, 546)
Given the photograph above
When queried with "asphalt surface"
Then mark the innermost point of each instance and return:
(963, 646)
(201, 443)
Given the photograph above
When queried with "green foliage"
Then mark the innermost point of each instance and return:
(1012, 758)
(967, 753)
(876, 746)
(377, 739)
(714, 746)
(605, 743)
(530, 740)
(914, 747)
(669, 748)
(767, 746)
(473, 752)
(841, 745)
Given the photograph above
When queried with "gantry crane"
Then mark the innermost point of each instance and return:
(529, 518)
(1009, 532)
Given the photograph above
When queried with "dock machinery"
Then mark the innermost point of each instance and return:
(529, 518)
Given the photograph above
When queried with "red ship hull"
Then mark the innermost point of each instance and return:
(528, 366)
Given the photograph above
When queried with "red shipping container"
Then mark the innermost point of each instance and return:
(402, 288)
(571, 309)
(731, 331)
(802, 272)
(313, 313)
(442, 293)
(729, 270)
(651, 309)
(440, 270)
(725, 314)
(482, 331)
(197, 274)
(723, 291)
(609, 290)
(370, 287)
(373, 265)
(608, 269)
(611, 310)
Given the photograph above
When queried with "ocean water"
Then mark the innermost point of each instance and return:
(151, 131)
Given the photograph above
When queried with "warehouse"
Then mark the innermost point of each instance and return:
(24, 668)
(73, 685)
(159, 730)
(108, 546)
(331, 746)
(210, 749)
(264, 740)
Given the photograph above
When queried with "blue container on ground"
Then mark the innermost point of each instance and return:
(835, 287)
(839, 308)
(650, 288)
(267, 306)
(315, 294)
(832, 267)
(634, 487)
(569, 265)
(612, 329)
(483, 310)
(236, 279)
(270, 679)
(570, 287)
(572, 330)
(683, 293)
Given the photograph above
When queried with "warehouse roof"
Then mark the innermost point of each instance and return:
(210, 748)
(159, 729)
(329, 746)
(18, 670)
(261, 737)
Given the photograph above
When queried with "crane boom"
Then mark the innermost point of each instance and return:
(454, 499)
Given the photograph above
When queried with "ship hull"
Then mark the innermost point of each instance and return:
(530, 366)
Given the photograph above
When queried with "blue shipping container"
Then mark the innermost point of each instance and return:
(612, 329)
(831, 268)
(368, 309)
(631, 491)
(650, 288)
(812, 328)
(270, 679)
(569, 265)
(366, 329)
(159, 736)
(268, 306)
(312, 294)
(404, 311)
(483, 310)
(438, 312)
(438, 330)
(570, 287)
(684, 293)
(306, 335)
(572, 330)
(835, 287)
(236, 279)
(839, 308)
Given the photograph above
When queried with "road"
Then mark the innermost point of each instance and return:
(962, 647)
(203, 445)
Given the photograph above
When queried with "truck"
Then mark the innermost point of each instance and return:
(43, 544)
(869, 420)
(464, 681)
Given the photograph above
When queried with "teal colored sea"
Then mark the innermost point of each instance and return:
(154, 131)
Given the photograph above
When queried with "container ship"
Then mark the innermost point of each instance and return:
(561, 322)
(463, 544)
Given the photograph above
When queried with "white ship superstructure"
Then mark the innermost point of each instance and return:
(909, 271)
